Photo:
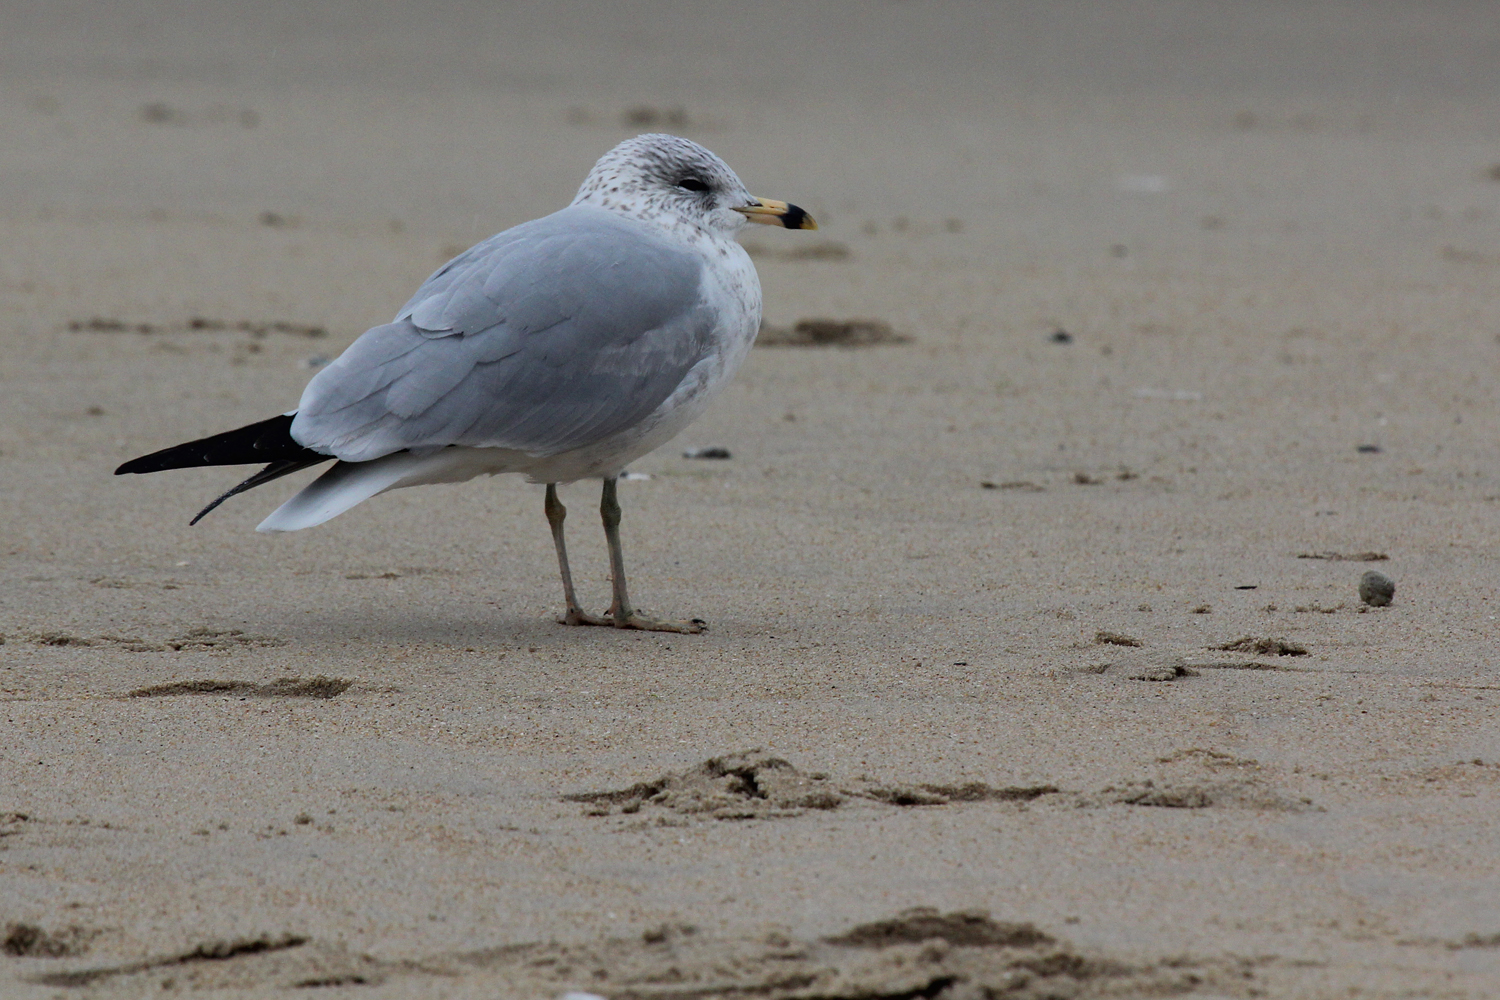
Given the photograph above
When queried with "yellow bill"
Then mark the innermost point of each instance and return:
(770, 212)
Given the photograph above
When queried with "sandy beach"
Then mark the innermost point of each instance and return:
(1036, 662)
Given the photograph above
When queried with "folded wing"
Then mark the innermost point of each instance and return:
(548, 337)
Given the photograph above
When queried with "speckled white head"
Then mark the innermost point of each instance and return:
(664, 179)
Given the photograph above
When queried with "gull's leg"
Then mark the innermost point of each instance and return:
(621, 612)
(556, 513)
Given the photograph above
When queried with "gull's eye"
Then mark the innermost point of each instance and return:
(693, 184)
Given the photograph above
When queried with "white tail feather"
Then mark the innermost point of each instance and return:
(351, 483)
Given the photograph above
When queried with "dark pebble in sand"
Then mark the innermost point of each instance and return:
(1376, 589)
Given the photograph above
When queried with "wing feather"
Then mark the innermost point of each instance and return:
(545, 338)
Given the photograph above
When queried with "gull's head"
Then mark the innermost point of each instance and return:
(666, 179)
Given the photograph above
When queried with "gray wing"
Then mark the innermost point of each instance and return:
(547, 337)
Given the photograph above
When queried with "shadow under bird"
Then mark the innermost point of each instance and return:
(562, 349)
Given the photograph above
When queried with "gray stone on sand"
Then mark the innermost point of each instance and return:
(1376, 589)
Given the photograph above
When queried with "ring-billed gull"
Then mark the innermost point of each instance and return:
(563, 349)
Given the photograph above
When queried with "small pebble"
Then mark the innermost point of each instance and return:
(1376, 589)
(709, 452)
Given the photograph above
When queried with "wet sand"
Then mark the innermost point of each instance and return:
(1046, 611)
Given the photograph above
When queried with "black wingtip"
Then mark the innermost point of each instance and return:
(267, 441)
(134, 465)
(273, 471)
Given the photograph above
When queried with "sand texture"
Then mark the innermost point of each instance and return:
(1134, 334)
